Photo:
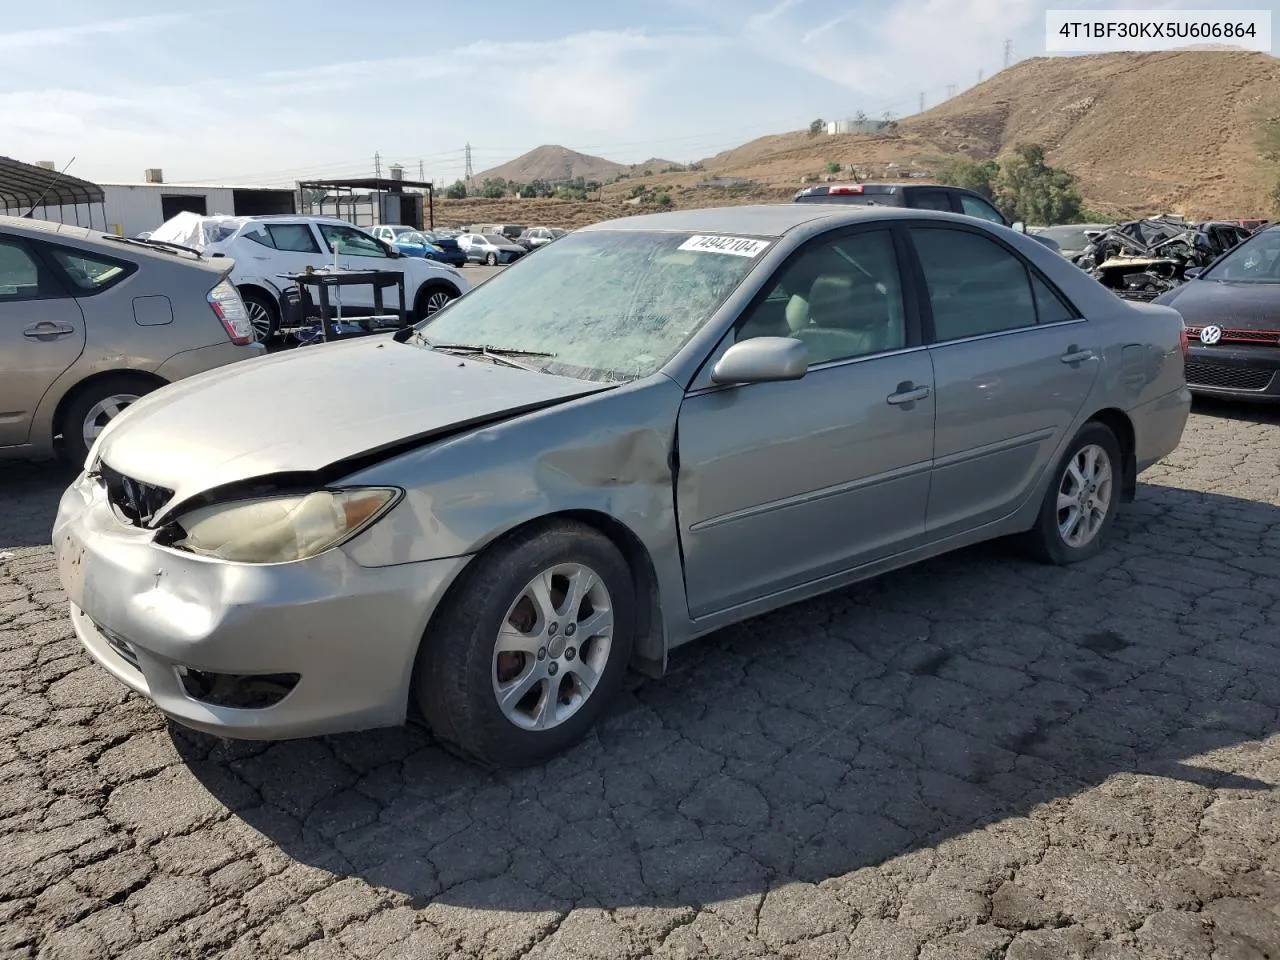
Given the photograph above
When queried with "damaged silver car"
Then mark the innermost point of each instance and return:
(658, 426)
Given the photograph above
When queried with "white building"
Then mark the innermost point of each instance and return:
(132, 208)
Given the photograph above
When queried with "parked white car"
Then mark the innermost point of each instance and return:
(541, 236)
(265, 248)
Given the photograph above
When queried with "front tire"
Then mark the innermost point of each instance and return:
(264, 316)
(529, 647)
(432, 299)
(1080, 505)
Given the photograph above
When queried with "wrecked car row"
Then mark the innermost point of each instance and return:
(1141, 259)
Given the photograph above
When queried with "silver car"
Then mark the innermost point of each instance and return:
(89, 322)
(657, 427)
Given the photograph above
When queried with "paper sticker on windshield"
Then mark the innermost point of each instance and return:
(738, 246)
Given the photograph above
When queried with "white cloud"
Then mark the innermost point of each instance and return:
(30, 41)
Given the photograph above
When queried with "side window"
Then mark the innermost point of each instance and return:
(977, 207)
(975, 285)
(89, 272)
(293, 237)
(259, 236)
(355, 243)
(841, 298)
(931, 200)
(21, 277)
(1050, 307)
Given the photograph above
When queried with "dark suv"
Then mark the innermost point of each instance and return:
(922, 196)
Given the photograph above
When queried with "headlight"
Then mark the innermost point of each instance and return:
(281, 529)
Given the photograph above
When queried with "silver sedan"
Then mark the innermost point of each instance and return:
(659, 426)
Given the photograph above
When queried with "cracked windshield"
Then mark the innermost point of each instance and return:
(599, 305)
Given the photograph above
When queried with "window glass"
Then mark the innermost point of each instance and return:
(87, 271)
(975, 207)
(975, 285)
(932, 200)
(19, 274)
(605, 305)
(352, 242)
(294, 237)
(259, 236)
(1050, 308)
(842, 299)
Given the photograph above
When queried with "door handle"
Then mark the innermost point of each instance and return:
(1075, 355)
(907, 394)
(47, 330)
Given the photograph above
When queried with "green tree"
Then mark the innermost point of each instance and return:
(493, 188)
(663, 199)
(817, 127)
(456, 191)
(833, 166)
(970, 175)
(1028, 189)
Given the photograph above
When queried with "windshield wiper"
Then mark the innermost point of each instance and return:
(496, 354)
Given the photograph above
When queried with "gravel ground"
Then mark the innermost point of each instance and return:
(977, 758)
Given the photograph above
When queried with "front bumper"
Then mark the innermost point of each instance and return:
(1236, 372)
(147, 613)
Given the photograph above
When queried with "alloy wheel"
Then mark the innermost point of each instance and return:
(102, 413)
(552, 647)
(1084, 495)
(259, 319)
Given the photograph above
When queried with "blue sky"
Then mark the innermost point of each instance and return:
(266, 92)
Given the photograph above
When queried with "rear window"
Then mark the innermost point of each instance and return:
(89, 272)
(866, 199)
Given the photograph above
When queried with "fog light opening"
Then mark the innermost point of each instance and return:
(241, 691)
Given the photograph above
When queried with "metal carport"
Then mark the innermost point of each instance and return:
(26, 188)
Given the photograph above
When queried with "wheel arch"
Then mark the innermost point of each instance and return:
(425, 290)
(271, 296)
(1118, 422)
(650, 648)
(68, 398)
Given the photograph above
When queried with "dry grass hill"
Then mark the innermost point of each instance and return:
(550, 162)
(1193, 132)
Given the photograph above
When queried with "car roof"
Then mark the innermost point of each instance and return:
(109, 243)
(766, 219)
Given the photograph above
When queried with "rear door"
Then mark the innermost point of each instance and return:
(41, 334)
(1014, 363)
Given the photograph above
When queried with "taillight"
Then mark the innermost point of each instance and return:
(226, 303)
(1186, 342)
(844, 188)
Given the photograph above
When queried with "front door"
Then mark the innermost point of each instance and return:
(1014, 363)
(359, 251)
(787, 482)
(41, 335)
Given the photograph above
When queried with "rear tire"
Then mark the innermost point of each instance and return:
(507, 680)
(92, 407)
(1080, 504)
(491, 260)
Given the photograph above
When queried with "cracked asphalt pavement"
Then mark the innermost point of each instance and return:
(977, 758)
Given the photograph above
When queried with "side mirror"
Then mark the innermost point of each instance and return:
(762, 359)
(1020, 226)
(1192, 272)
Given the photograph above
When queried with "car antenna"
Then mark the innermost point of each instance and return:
(40, 199)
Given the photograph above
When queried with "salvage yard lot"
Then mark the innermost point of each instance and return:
(978, 757)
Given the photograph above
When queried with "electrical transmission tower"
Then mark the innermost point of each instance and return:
(1008, 49)
(951, 90)
(469, 174)
(922, 101)
(377, 165)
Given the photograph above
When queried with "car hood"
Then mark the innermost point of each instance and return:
(308, 410)
(1238, 306)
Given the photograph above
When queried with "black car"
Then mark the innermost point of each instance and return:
(919, 196)
(1232, 312)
